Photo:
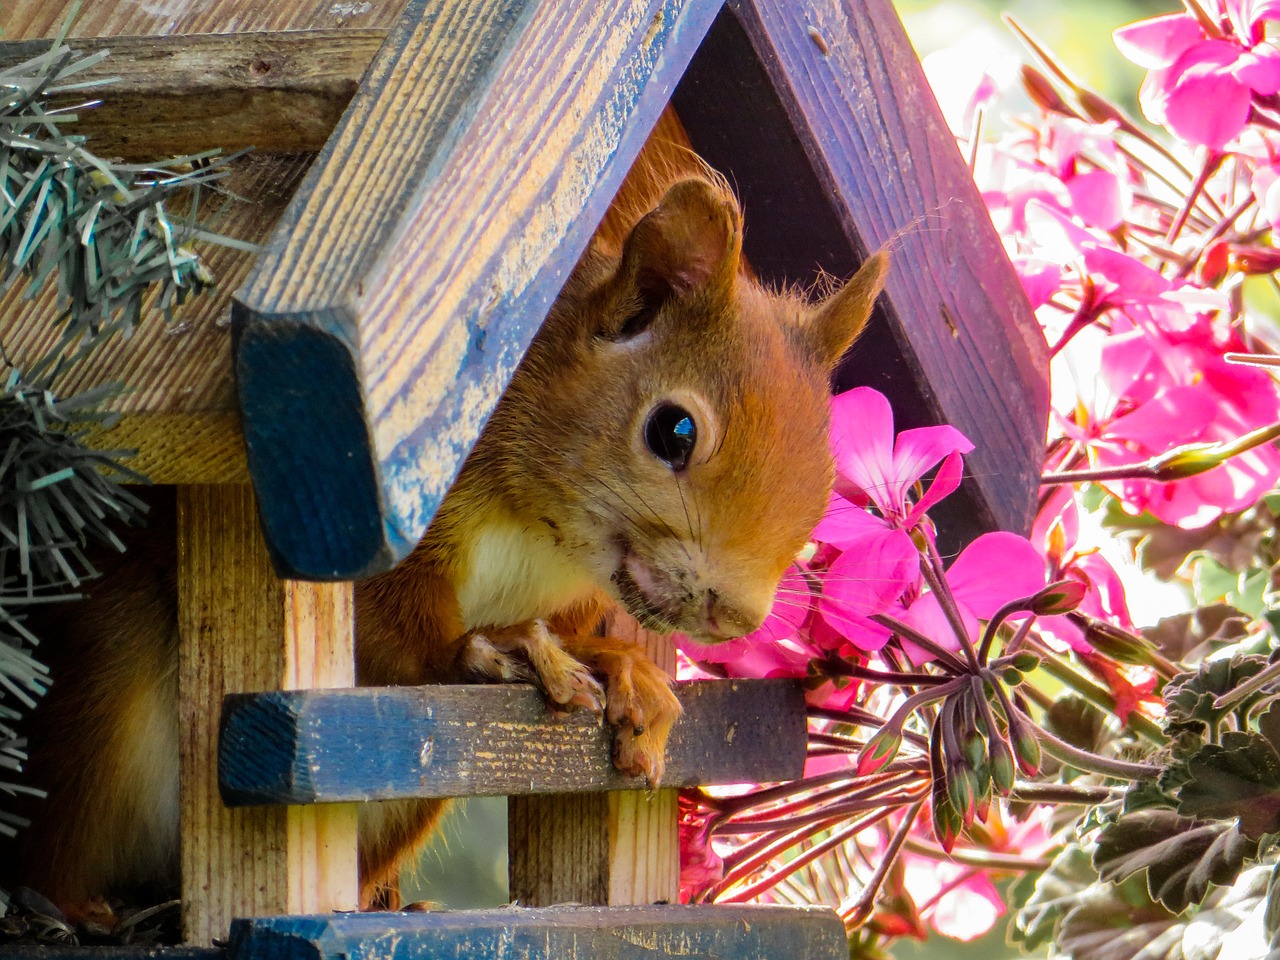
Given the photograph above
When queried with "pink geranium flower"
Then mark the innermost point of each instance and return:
(1202, 87)
(872, 465)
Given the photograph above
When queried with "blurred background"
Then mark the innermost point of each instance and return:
(467, 864)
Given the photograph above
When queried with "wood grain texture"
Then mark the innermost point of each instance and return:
(279, 93)
(241, 628)
(550, 933)
(28, 19)
(425, 247)
(15, 952)
(613, 849)
(838, 152)
(473, 740)
(178, 367)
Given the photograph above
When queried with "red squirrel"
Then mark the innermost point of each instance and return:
(663, 445)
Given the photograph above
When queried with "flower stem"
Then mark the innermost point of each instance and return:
(1061, 794)
(1252, 685)
(942, 654)
(936, 577)
(986, 859)
(855, 911)
(1091, 762)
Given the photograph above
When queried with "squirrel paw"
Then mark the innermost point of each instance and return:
(530, 653)
(641, 708)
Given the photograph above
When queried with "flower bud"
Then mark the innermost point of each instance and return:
(1042, 92)
(879, 750)
(946, 823)
(1186, 461)
(1001, 761)
(1026, 748)
(1120, 645)
(1058, 598)
(1253, 259)
(1025, 661)
(1097, 108)
(1214, 264)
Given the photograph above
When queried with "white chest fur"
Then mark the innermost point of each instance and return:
(516, 572)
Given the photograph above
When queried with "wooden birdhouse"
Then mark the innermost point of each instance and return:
(425, 175)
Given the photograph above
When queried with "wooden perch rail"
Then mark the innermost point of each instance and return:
(325, 746)
(280, 93)
(549, 933)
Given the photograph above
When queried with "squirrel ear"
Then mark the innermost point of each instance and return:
(835, 323)
(691, 239)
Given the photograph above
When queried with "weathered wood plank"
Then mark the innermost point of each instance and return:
(550, 933)
(24, 952)
(472, 740)
(27, 19)
(600, 849)
(423, 250)
(843, 150)
(240, 627)
(279, 92)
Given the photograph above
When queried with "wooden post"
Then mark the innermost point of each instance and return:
(604, 849)
(243, 629)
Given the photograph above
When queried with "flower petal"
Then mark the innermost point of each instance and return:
(994, 569)
(1159, 41)
(862, 440)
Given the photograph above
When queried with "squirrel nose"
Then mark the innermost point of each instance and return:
(723, 621)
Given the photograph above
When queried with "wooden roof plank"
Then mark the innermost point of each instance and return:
(423, 250)
(821, 115)
(323, 746)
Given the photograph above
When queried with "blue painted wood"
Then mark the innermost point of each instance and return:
(549, 933)
(820, 114)
(319, 746)
(419, 257)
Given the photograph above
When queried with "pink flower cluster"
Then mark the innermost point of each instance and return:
(1136, 285)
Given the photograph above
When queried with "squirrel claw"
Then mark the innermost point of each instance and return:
(639, 706)
(531, 653)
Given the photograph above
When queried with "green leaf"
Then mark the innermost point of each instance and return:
(1239, 778)
(1180, 857)
(1189, 697)
(1116, 922)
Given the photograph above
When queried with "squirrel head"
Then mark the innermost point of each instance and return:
(670, 423)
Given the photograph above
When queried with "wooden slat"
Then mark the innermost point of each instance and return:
(842, 151)
(241, 628)
(423, 250)
(277, 92)
(550, 933)
(484, 739)
(28, 19)
(24, 952)
(612, 849)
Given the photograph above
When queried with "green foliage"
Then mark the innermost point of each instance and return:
(1179, 857)
(1240, 778)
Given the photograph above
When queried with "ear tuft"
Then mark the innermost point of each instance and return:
(835, 323)
(693, 238)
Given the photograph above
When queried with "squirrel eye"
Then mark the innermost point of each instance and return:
(670, 434)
